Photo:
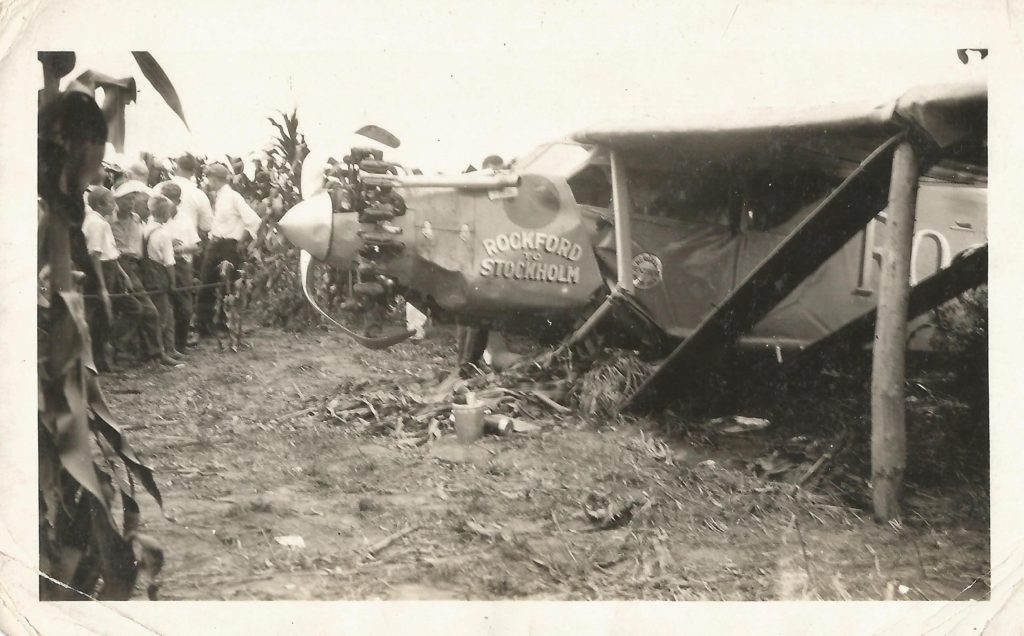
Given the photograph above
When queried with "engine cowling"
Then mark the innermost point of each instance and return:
(507, 251)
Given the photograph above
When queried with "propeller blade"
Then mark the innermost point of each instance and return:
(379, 135)
(311, 177)
(383, 342)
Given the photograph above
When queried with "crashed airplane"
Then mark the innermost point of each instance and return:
(683, 239)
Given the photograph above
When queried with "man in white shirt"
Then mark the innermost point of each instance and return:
(158, 270)
(194, 205)
(186, 245)
(234, 225)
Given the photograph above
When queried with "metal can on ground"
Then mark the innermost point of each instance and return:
(497, 425)
(469, 422)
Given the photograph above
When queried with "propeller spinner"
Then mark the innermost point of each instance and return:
(308, 224)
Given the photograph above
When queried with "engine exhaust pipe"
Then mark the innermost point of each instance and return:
(470, 181)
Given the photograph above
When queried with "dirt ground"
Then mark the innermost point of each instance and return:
(244, 455)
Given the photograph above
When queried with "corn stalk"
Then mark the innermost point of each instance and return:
(89, 544)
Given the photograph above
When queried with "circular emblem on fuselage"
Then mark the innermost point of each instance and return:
(646, 270)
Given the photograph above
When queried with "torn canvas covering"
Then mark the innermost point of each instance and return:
(752, 226)
(711, 198)
(948, 116)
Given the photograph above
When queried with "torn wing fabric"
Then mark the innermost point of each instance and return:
(947, 115)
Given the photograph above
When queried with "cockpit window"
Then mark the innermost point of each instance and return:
(592, 186)
(718, 195)
(590, 182)
(558, 159)
(706, 195)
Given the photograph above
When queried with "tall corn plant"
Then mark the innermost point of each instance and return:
(89, 540)
(289, 147)
(269, 290)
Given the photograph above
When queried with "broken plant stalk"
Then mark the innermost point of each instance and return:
(386, 542)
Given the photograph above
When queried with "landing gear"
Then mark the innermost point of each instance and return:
(472, 342)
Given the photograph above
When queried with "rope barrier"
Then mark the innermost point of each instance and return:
(151, 291)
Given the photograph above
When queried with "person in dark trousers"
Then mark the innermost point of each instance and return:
(126, 226)
(234, 225)
(186, 243)
(158, 270)
(108, 318)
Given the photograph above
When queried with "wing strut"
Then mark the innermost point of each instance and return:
(826, 229)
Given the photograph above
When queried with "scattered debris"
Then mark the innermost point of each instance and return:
(607, 514)
(543, 397)
(386, 542)
(522, 426)
(292, 541)
(499, 425)
(293, 414)
(653, 448)
(772, 466)
(603, 388)
(739, 424)
(815, 467)
(420, 411)
(494, 531)
(661, 552)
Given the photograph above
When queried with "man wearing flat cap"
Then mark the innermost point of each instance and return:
(234, 225)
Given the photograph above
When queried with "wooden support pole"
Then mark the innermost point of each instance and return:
(888, 414)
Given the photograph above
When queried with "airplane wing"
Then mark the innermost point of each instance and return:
(855, 143)
(950, 119)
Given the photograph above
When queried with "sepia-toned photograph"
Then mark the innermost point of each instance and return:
(598, 316)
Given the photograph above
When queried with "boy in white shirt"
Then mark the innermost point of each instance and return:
(158, 269)
(186, 244)
(132, 198)
(107, 277)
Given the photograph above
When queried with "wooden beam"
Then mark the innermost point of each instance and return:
(888, 411)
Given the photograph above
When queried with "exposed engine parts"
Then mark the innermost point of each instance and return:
(373, 293)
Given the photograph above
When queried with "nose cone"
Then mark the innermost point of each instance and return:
(308, 225)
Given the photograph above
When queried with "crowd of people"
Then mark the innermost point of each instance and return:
(155, 238)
